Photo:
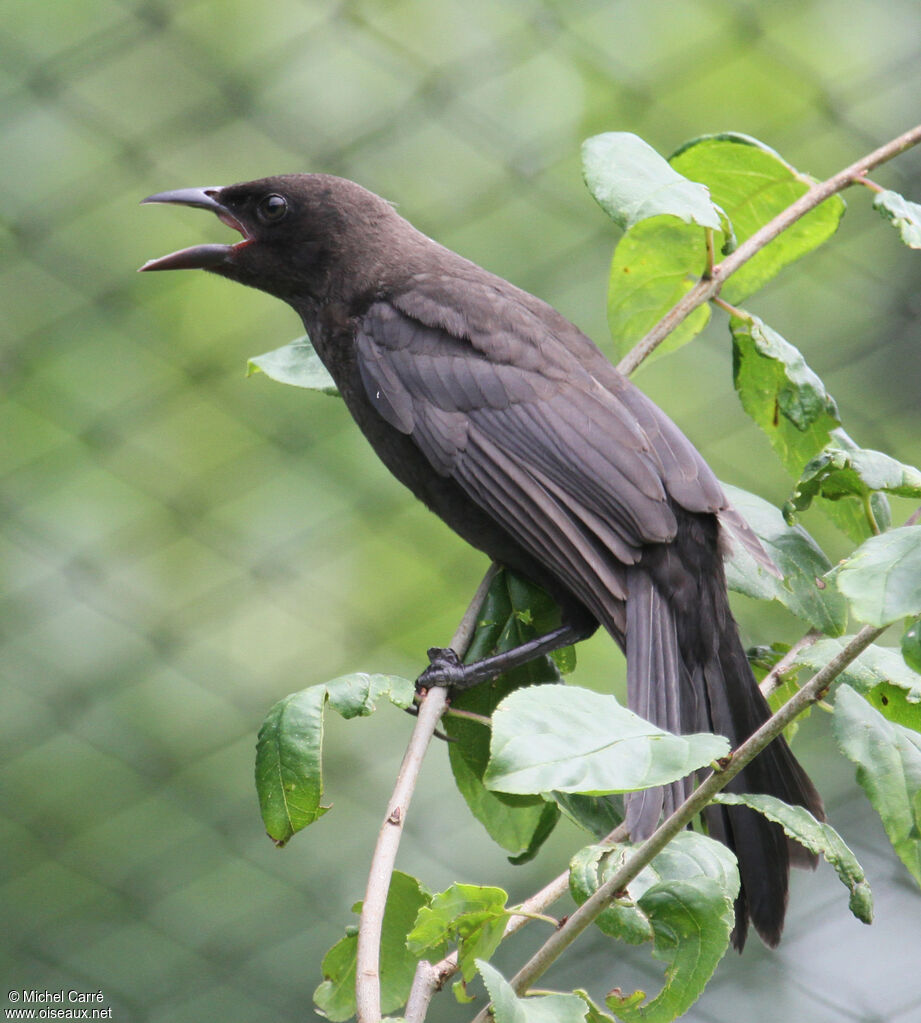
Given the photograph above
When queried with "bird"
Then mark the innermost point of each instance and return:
(512, 426)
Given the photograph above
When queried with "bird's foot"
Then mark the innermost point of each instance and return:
(445, 669)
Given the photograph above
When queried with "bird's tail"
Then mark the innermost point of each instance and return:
(687, 672)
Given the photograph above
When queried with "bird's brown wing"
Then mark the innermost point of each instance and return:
(517, 406)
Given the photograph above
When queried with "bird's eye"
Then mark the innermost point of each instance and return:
(272, 208)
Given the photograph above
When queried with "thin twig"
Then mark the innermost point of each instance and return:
(706, 289)
(585, 915)
(774, 678)
(431, 708)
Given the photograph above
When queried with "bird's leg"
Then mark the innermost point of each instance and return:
(447, 669)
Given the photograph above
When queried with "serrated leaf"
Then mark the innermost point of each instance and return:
(816, 836)
(289, 773)
(513, 612)
(631, 182)
(295, 363)
(335, 997)
(507, 1007)
(835, 473)
(558, 737)
(888, 760)
(752, 184)
(472, 916)
(654, 265)
(904, 215)
(878, 673)
(882, 578)
(803, 589)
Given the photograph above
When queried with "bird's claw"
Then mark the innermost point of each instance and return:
(445, 669)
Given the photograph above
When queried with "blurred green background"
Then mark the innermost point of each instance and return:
(182, 546)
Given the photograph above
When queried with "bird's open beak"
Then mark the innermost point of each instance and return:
(198, 257)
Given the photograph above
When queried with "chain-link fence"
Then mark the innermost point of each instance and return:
(181, 546)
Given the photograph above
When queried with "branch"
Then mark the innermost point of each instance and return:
(585, 915)
(774, 678)
(709, 287)
(432, 705)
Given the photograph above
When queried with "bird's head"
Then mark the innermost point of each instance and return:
(303, 234)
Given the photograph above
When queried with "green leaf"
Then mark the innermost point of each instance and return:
(819, 838)
(753, 184)
(780, 392)
(911, 646)
(654, 265)
(904, 215)
(598, 815)
(688, 856)
(589, 869)
(803, 589)
(692, 922)
(507, 1007)
(558, 737)
(799, 417)
(289, 774)
(472, 916)
(835, 473)
(296, 363)
(631, 182)
(335, 997)
(513, 612)
(888, 759)
(878, 673)
(882, 578)
(683, 900)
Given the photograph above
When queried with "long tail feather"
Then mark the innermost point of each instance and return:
(687, 671)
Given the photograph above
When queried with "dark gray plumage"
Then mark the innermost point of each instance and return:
(512, 426)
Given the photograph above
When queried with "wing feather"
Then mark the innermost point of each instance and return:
(534, 424)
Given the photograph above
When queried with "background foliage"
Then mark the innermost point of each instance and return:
(181, 546)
